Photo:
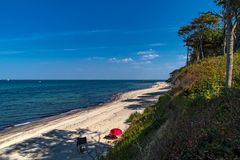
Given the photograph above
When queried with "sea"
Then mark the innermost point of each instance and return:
(24, 101)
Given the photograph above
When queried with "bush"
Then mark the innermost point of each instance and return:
(198, 119)
(140, 132)
(133, 117)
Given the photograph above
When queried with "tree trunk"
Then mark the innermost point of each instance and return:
(229, 68)
(188, 52)
(201, 48)
(224, 45)
(230, 46)
(237, 36)
(224, 31)
(197, 54)
(224, 39)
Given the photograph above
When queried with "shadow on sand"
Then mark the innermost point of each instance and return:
(144, 100)
(57, 145)
(61, 144)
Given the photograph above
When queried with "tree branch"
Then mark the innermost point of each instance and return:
(234, 26)
(215, 14)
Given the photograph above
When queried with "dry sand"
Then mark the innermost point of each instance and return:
(54, 137)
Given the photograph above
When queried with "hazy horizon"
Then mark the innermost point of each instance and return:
(83, 79)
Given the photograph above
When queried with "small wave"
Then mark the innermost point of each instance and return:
(21, 124)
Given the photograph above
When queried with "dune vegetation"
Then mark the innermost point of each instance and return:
(199, 117)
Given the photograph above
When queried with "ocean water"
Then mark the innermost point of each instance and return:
(25, 101)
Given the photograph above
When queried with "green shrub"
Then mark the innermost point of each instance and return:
(142, 127)
(203, 118)
(133, 117)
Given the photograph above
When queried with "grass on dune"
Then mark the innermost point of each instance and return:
(198, 119)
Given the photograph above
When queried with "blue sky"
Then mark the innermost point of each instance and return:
(93, 39)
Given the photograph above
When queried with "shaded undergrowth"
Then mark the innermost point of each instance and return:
(198, 119)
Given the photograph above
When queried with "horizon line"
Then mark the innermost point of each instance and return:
(83, 79)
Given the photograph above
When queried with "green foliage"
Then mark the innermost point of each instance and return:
(234, 3)
(133, 117)
(214, 131)
(206, 35)
(206, 78)
(201, 119)
(203, 36)
(205, 20)
(140, 131)
(208, 122)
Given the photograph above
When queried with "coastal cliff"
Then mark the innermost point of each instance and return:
(197, 119)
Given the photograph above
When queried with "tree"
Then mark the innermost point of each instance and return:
(232, 14)
(195, 34)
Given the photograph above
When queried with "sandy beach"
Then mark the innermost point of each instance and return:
(55, 137)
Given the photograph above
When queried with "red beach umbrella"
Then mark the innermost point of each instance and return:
(116, 131)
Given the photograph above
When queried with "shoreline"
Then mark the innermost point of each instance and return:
(114, 97)
(58, 115)
(64, 113)
(79, 118)
(67, 112)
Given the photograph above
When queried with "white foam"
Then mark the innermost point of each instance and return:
(21, 124)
